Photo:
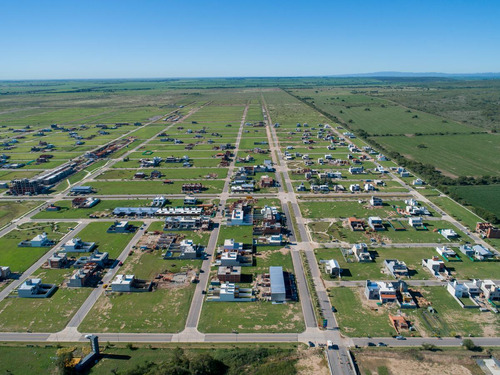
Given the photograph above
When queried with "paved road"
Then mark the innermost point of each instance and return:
(418, 341)
(336, 359)
(198, 298)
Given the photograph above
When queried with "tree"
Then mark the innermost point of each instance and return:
(206, 365)
(427, 346)
(469, 345)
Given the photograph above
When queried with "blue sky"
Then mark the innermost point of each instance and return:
(190, 38)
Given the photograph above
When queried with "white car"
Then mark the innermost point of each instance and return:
(329, 344)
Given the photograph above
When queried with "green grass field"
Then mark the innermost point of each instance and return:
(162, 310)
(484, 196)
(251, 317)
(356, 320)
(456, 155)
(12, 210)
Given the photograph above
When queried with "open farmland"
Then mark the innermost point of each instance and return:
(486, 196)
(454, 155)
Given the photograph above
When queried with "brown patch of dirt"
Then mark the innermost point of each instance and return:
(406, 364)
(311, 361)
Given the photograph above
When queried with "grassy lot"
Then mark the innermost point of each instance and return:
(163, 310)
(197, 236)
(173, 173)
(239, 233)
(113, 243)
(150, 187)
(52, 314)
(391, 361)
(457, 320)
(251, 317)
(21, 258)
(11, 210)
(146, 265)
(484, 196)
(355, 319)
(348, 208)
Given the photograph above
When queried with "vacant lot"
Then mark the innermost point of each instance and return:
(251, 317)
(11, 210)
(356, 319)
(163, 310)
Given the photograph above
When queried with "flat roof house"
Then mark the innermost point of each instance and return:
(128, 283)
(229, 274)
(491, 290)
(375, 223)
(229, 259)
(190, 200)
(436, 266)
(4, 272)
(81, 277)
(446, 252)
(229, 292)
(332, 268)
(396, 268)
(121, 227)
(360, 251)
(449, 234)
(478, 252)
(376, 201)
(231, 245)
(58, 260)
(380, 290)
(33, 288)
(96, 257)
(40, 240)
(416, 222)
(76, 245)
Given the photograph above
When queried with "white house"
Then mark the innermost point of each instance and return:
(449, 234)
(361, 252)
(332, 268)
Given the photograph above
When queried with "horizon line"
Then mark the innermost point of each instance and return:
(380, 74)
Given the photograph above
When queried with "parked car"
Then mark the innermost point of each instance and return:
(329, 344)
(334, 309)
(400, 337)
(381, 344)
(311, 344)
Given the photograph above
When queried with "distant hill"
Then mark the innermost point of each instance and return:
(424, 74)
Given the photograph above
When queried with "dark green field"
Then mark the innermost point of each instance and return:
(484, 196)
